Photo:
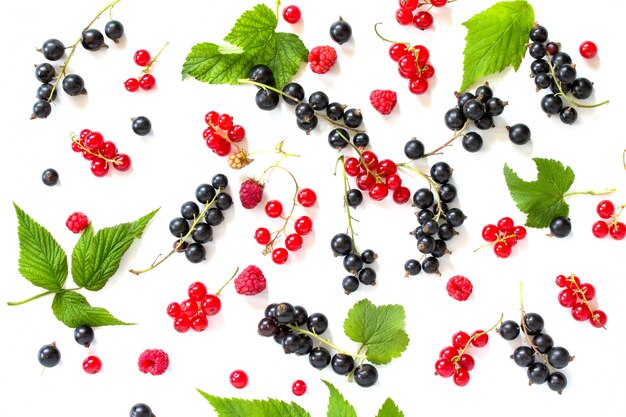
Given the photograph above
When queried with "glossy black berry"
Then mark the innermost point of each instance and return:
(141, 125)
(412, 267)
(561, 58)
(294, 90)
(214, 216)
(365, 375)
(342, 364)
(267, 99)
(92, 40)
(318, 100)
(41, 109)
(455, 119)
(179, 227)
(537, 50)
(566, 73)
(338, 138)
(551, 104)
(189, 210)
(446, 232)
(423, 198)
(538, 373)
(282, 332)
(202, 233)
(430, 227)
(523, 356)
(444, 208)
(560, 226)
(141, 410)
(543, 342)
(414, 149)
(542, 81)
(534, 323)
(307, 126)
(509, 330)
(464, 98)
(472, 142)
(317, 323)
(205, 193)
(519, 133)
(485, 92)
(44, 91)
(340, 31)
(494, 106)
(554, 87)
(350, 284)
(304, 112)
(538, 34)
(270, 311)
(291, 343)
(539, 66)
(261, 74)
(53, 49)
(557, 382)
(306, 345)
(473, 109)
(49, 356)
(355, 197)
(285, 313)
(352, 263)
(353, 118)
(426, 244)
(319, 358)
(485, 122)
(84, 335)
(418, 233)
(368, 256)
(441, 248)
(361, 140)
(335, 111)
(424, 215)
(114, 30)
(45, 72)
(568, 115)
(50, 177)
(430, 265)
(301, 315)
(267, 327)
(559, 357)
(219, 181)
(223, 201)
(441, 172)
(367, 276)
(73, 85)
(581, 88)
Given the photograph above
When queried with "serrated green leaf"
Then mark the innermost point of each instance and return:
(542, 199)
(236, 407)
(290, 53)
(42, 260)
(73, 310)
(389, 409)
(379, 328)
(210, 63)
(496, 39)
(253, 29)
(97, 258)
(337, 405)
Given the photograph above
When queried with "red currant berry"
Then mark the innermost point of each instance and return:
(306, 197)
(292, 14)
(365, 182)
(461, 377)
(147, 82)
(369, 159)
(262, 236)
(404, 17)
(197, 291)
(131, 84)
(466, 362)
(236, 133)
(588, 50)
(387, 167)
(211, 305)
(189, 308)
(224, 148)
(562, 281)
(519, 232)
(351, 165)
(605, 209)
(211, 118)
(122, 162)
(600, 229)
(567, 298)
(88, 155)
(407, 64)
(491, 233)
(199, 323)
(393, 181)
(598, 319)
(444, 368)
(108, 149)
(573, 283)
(238, 379)
(398, 50)
(225, 122)
(273, 208)
(93, 141)
(460, 339)
(617, 230)
(409, 5)
(407, 75)
(481, 338)
(423, 20)
(511, 241)
(438, 3)
(92, 364)
(448, 352)
(428, 71)
(173, 310)
(418, 86)
(422, 54)
(207, 132)
(580, 312)
(280, 255)
(293, 242)
(401, 195)
(214, 141)
(588, 290)
(84, 133)
(142, 57)
(99, 167)
(182, 324)
(76, 146)
(378, 191)
(506, 225)
(298, 388)
(502, 250)
(303, 225)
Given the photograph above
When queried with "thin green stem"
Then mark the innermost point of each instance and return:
(227, 282)
(346, 203)
(34, 297)
(325, 342)
(277, 5)
(616, 216)
(96, 154)
(283, 229)
(564, 95)
(408, 44)
(591, 192)
(499, 239)
(153, 60)
(457, 134)
(456, 358)
(431, 185)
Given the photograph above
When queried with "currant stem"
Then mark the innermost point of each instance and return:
(408, 44)
(525, 331)
(276, 164)
(325, 341)
(457, 134)
(182, 239)
(89, 151)
(591, 192)
(34, 297)
(562, 93)
(431, 185)
(584, 298)
(340, 161)
(619, 213)
(456, 358)
(153, 60)
(227, 282)
(283, 229)
(499, 239)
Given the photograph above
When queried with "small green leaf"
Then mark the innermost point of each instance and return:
(235, 407)
(97, 258)
(254, 29)
(337, 405)
(73, 310)
(42, 260)
(210, 63)
(379, 328)
(542, 199)
(389, 409)
(496, 39)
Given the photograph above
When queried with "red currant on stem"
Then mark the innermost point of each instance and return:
(423, 20)
(280, 256)
(273, 208)
(303, 225)
(582, 310)
(404, 17)
(306, 197)
(211, 304)
(408, 5)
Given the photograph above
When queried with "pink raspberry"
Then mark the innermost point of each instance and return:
(322, 59)
(154, 361)
(383, 100)
(459, 288)
(250, 193)
(251, 281)
(77, 222)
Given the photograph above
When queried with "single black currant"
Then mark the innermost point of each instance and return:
(441, 172)
(538, 373)
(353, 118)
(261, 74)
(485, 122)
(361, 140)
(568, 115)
(189, 210)
(338, 138)
(93, 40)
(342, 364)
(267, 99)
(285, 313)
(560, 226)
(340, 31)
(141, 125)
(282, 332)
(291, 343)
(179, 227)
(267, 327)
(430, 265)
(306, 345)
(424, 215)
(426, 244)
(335, 111)
(369, 256)
(485, 92)
(430, 227)
(519, 133)
(523, 356)
(367, 276)
(494, 106)
(423, 198)
(509, 330)
(319, 358)
(441, 248)
(294, 90)
(318, 100)
(219, 181)
(202, 233)
(455, 119)
(561, 58)
(365, 375)
(195, 253)
(53, 49)
(447, 193)
(224, 201)
(542, 81)
(114, 30)
(414, 149)
(50, 177)
(566, 73)
(214, 216)
(554, 87)
(44, 91)
(444, 209)
(352, 262)
(412, 267)
(355, 197)
(559, 357)
(49, 356)
(537, 50)
(307, 126)
(534, 323)
(551, 104)
(304, 112)
(41, 109)
(473, 109)
(301, 315)
(350, 284)
(141, 410)
(463, 98)
(538, 34)
(73, 85)
(543, 342)
(317, 323)
(539, 66)
(270, 311)
(205, 193)
(472, 142)
(84, 335)
(557, 382)
(446, 232)
(581, 88)
(418, 233)
(45, 72)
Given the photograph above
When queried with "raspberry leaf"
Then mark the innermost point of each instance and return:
(379, 329)
(389, 409)
(542, 199)
(236, 407)
(337, 405)
(496, 39)
(73, 310)
(42, 261)
(96, 258)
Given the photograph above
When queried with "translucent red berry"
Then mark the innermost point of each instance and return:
(273, 208)
(422, 55)
(306, 197)
(92, 364)
(142, 57)
(506, 225)
(409, 5)
(481, 338)
(225, 122)
(502, 250)
(262, 236)
(562, 281)
(352, 167)
(173, 310)
(387, 167)
(404, 17)
(580, 312)
(519, 232)
(211, 305)
(199, 323)
(99, 167)
(407, 64)
(418, 85)
(182, 324)
(211, 118)
(466, 362)
(303, 225)
(293, 242)
(573, 282)
(84, 133)
(605, 209)
(121, 162)
(378, 191)
(460, 339)
(236, 133)
(292, 14)
(617, 230)
(197, 291)
(393, 181)
(93, 141)
(298, 387)
(491, 233)
(448, 352)
(588, 290)
(398, 50)
(401, 195)
(189, 308)
(280, 255)
(567, 298)
(423, 20)
(131, 84)
(598, 319)
(438, 3)
(461, 377)
(444, 368)
(600, 229)
(147, 82)
(238, 379)
(588, 49)
(108, 149)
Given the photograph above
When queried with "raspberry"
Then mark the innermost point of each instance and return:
(251, 281)
(239, 159)
(250, 193)
(383, 100)
(154, 361)
(77, 222)
(322, 59)
(459, 288)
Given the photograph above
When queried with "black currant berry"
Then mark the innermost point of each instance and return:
(426, 244)
(523, 356)
(301, 315)
(141, 410)
(441, 172)
(318, 100)
(202, 233)
(473, 109)
(45, 72)
(319, 358)
(446, 232)
(342, 364)
(189, 210)
(539, 66)
(509, 330)
(560, 226)
(412, 267)
(369, 256)
(568, 115)
(224, 201)
(566, 73)
(41, 109)
(355, 197)
(317, 323)
(494, 106)
(353, 118)
(73, 85)
(282, 332)
(534, 323)
(424, 215)
(53, 49)
(559, 357)
(338, 138)
(44, 91)
(114, 30)
(554, 87)
(291, 343)
(537, 50)
(50, 177)
(93, 40)
(307, 126)
(444, 209)
(543, 342)
(352, 263)
(455, 119)
(270, 311)
(267, 99)
(414, 149)
(557, 382)
(306, 345)
(205, 193)
(519, 133)
(538, 34)
(561, 58)
(464, 98)
(141, 125)
(340, 31)
(367, 276)
(423, 198)
(335, 111)
(441, 248)
(581, 88)
(472, 142)
(485, 92)
(418, 233)
(551, 104)
(267, 327)
(49, 356)
(214, 216)
(350, 284)
(294, 90)
(361, 140)
(179, 227)
(447, 193)
(485, 122)
(542, 81)
(285, 313)
(538, 373)
(365, 375)
(84, 335)
(261, 74)
(304, 112)
(430, 265)
(219, 181)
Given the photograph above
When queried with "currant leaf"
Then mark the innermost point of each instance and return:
(73, 310)
(389, 409)
(337, 405)
(236, 407)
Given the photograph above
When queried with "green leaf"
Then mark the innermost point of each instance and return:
(96, 258)
(73, 310)
(496, 38)
(542, 199)
(337, 405)
(253, 40)
(379, 328)
(42, 260)
(389, 409)
(235, 407)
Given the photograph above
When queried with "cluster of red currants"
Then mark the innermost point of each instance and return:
(100, 152)
(377, 177)
(145, 81)
(221, 134)
(413, 65)
(576, 296)
(193, 312)
(615, 228)
(453, 361)
(423, 19)
(503, 236)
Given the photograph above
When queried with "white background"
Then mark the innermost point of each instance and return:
(169, 164)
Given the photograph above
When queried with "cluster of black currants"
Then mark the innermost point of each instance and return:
(73, 84)
(437, 221)
(215, 201)
(284, 322)
(306, 112)
(553, 69)
(541, 359)
(353, 262)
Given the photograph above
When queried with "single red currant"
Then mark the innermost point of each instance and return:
(460, 339)
(466, 362)
(238, 379)
(365, 181)
(121, 162)
(562, 281)
(422, 53)
(409, 5)
(600, 229)
(398, 50)
(298, 388)
(225, 122)
(93, 141)
(303, 225)
(448, 352)
(418, 85)
(293, 242)
(273, 208)
(387, 167)
(211, 118)
(617, 230)
(208, 131)
(236, 133)
(423, 20)
(393, 181)
(407, 64)
(292, 14)
(511, 241)
(407, 75)
(438, 3)
(92, 364)
(369, 159)
(108, 149)
(401, 195)
(573, 283)
(142, 57)
(351, 165)
(99, 167)
(211, 305)
(428, 71)
(580, 312)
(444, 368)
(189, 308)
(182, 324)
(223, 148)
(598, 319)
(502, 250)
(588, 50)
(173, 310)
(262, 236)
(76, 146)
(588, 290)
(147, 82)
(567, 298)
(280, 255)
(461, 377)
(605, 209)
(404, 17)
(491, 233)
(519, 232)
(506, 225)
(197, 291)
(199, 323)
(378, 191)
(88, 155)
(480, 338)
(84, 133)
(131, 84)
(306, 197)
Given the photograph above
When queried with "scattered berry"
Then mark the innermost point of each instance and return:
(292, 14)
(298, 388)
(250, 193)
(84, 335)
(250, 281)
(588, 50)
(77, 222)
(141, 410)
(153, 361)
(49, 355)
(459, 288)
(92, 365)
(383, 101)
(340, 32)
(322, 58)
(238, 379)
(50, 177)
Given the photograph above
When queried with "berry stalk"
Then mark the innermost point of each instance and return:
(325, 342)
(227, 282)
(499, 239)
(457, 135)
(581, 293)
(562, 93)
(455, 359)
(431, 185)
(525, 331)
(153, 60)
(358, 151)
(591, 192)
(340, 161)
(34, 297)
